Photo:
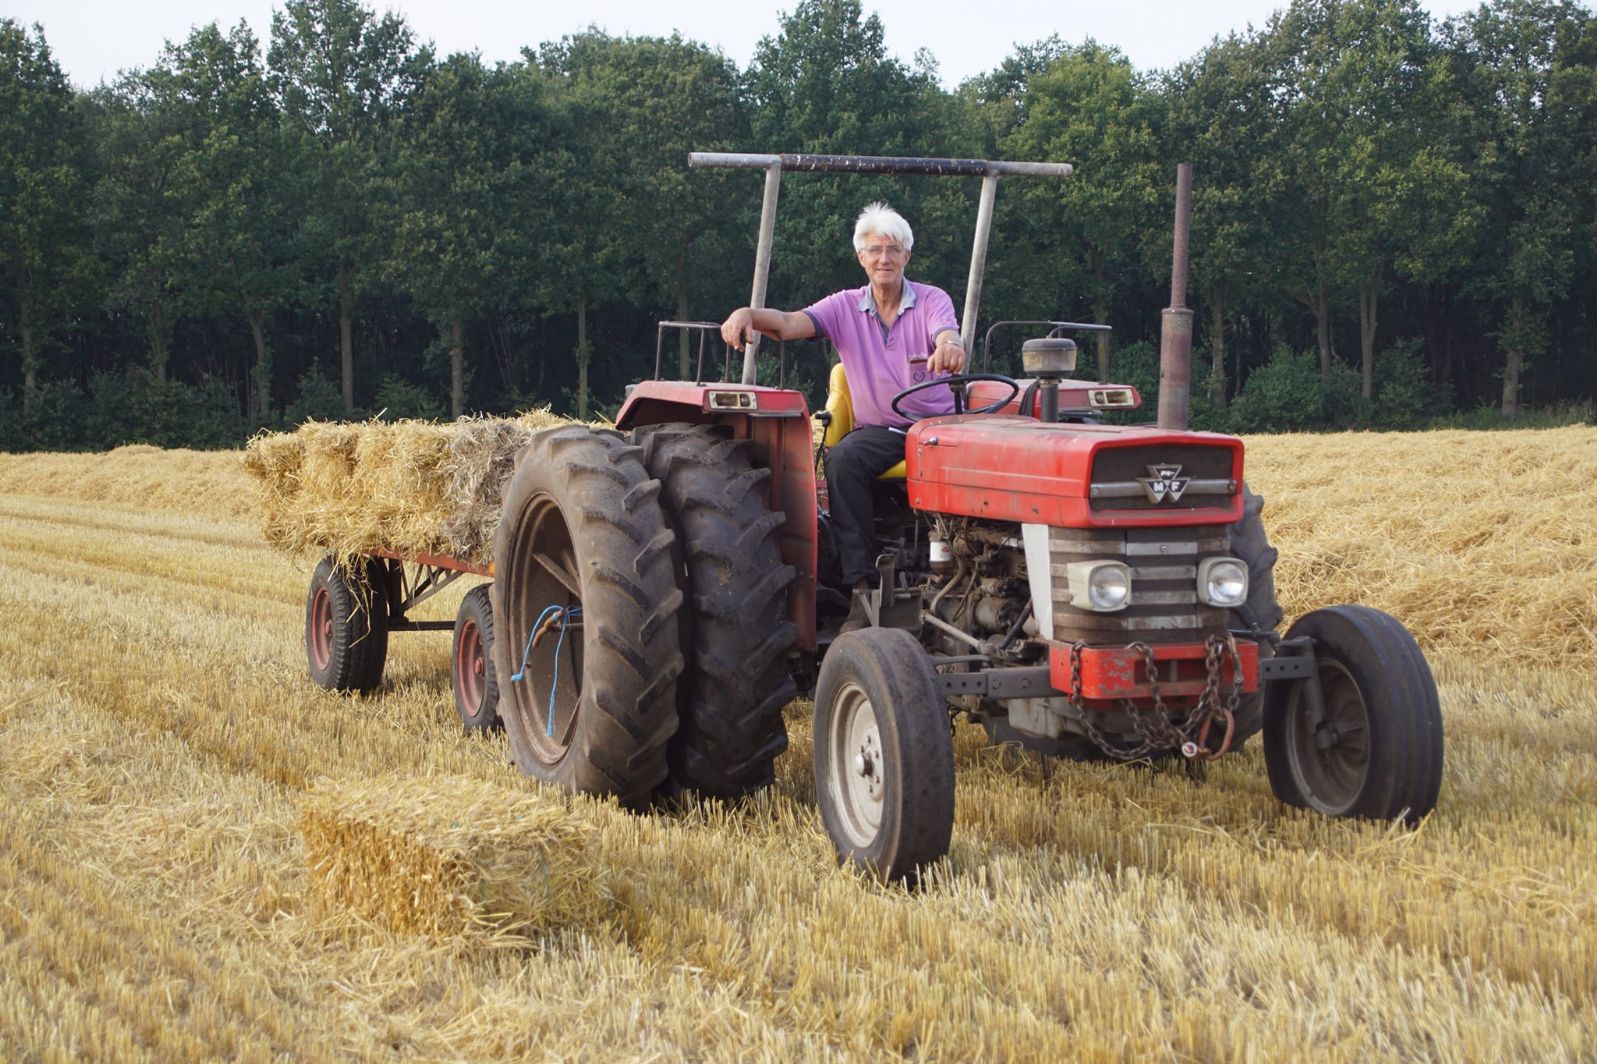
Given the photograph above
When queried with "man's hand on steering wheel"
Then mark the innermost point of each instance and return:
(949, 355)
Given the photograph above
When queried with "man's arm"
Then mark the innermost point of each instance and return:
(743, 323)
(949, 354)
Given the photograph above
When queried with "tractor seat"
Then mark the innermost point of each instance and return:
(841, 407)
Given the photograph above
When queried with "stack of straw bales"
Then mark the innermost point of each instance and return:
(450, 856)
(404, 486)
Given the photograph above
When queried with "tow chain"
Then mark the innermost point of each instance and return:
(1153, 724)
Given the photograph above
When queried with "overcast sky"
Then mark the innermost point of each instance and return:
(93, 39)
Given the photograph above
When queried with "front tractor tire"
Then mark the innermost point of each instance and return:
(884, 754)
(346, 625)
(1378, 752)
(735, 623)
(585, 604)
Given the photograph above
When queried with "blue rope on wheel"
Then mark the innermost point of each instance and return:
(549, 614)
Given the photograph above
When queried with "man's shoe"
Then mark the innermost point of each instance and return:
(857, 617)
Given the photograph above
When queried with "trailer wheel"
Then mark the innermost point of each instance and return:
(346, 626)
(735, 626)
(1251, 546)
(585, 616)
(1378, 754)
(472, 671)
(884, 754)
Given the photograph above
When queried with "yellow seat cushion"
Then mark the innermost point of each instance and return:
(841, 407)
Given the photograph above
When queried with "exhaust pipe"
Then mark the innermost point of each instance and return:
(1175, 325)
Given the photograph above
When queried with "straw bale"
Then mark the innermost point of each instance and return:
(482, 455)
(402, 486)
(446, 856)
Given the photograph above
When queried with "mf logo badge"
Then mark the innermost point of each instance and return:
(1164, 483)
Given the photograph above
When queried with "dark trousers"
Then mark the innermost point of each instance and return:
(852, 466)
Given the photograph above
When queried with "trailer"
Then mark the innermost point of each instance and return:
(355, 603)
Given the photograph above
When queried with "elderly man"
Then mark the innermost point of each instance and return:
(890, 334)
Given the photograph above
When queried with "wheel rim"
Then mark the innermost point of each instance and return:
(858, 775)
(470, 668)
(319, 629)
(1331, 777)
(544, 540)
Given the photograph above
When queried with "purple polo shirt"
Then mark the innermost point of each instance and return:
(877, 361)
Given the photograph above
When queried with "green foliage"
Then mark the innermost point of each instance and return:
(1288, 393)
(398, 398)
(317, 398)
(1486, 418)
(1403, 393)
(139, 407)
(1419, 200)
(47, 265)
(52, 420)
(134, 406)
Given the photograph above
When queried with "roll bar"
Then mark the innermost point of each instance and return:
(773, 165)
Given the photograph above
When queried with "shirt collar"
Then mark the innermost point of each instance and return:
(905, 301)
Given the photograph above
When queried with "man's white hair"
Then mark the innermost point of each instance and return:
(878, 219)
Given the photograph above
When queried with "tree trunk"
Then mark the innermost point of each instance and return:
(261, 375)
(457, 367)
(582, 356)
(1369, 305)
(1322, 328)
(346, 333)
(1217, 389)
(1100, 314)
(502, 357)
(543, 358)
(1514, 362)
(160, 349)
(30, 366)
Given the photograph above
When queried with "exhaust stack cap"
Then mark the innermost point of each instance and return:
(1050, 357)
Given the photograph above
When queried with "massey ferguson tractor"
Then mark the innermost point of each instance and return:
(1081, 589)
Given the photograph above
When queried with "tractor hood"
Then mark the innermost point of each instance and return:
(1012, 468)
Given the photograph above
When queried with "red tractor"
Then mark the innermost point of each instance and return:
(1079, 588)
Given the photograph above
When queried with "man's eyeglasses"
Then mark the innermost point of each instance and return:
(877, 251)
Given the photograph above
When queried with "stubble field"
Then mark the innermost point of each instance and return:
(172, 785)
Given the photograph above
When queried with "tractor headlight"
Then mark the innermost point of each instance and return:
(1222, 582)
(1099, 586)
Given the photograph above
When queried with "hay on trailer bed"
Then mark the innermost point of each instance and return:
(450, 856)
(403, 486)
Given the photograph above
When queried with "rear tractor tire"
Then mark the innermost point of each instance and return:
(735, 623)
(346, 625)
(1378, 753)
(585, 608)
(884, 754)
(472, 667)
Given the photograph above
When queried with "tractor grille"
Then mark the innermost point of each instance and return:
(1120, 477)
(1164, 583)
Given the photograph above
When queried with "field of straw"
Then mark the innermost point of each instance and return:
(204, 857)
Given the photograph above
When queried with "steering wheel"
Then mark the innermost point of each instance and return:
(956, 383)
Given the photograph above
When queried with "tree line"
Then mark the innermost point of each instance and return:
(1394, 219)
